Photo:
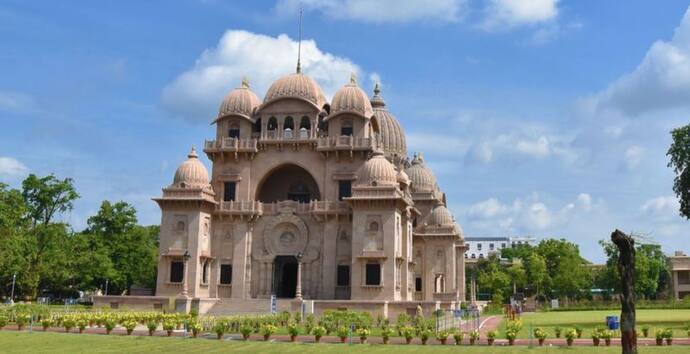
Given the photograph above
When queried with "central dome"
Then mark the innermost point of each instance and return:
(297, 86)
(240, 101)
(191, 173)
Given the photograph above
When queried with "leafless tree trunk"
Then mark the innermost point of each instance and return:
(626, 269)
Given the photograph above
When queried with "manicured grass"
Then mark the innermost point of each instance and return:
(39, 342)
(588, 320)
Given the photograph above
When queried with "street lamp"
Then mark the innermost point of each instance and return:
(298, 290)
(186, 258)
(106, 287)
(14, 280)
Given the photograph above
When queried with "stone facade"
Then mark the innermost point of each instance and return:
(680, 273)
(308, 199)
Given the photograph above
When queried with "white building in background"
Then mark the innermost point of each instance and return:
(482, 247)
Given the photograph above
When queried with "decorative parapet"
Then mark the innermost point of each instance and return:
(331, 143)
(253, 207)
(231, 145)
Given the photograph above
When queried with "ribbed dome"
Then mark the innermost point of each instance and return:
(191, 173)
(240, 101)
(403, 178)
(351, 99)
(298, 86)
(440, 216)
(377, 171)
(391, 134)
(422, 180)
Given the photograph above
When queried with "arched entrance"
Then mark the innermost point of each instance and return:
(288, 182)
(285, 276)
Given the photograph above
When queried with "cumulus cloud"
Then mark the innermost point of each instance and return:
(380, 11)
(12, 168)
(519, 144)
(661, 81)
(503, 14)
(197, 93)
(663, 207)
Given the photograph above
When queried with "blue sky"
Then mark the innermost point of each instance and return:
(544, 117)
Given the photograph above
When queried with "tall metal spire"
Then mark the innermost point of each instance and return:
(299, 44)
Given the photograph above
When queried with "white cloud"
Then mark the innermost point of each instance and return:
(379, 11)
(660, 82)
(197, 93)
(663, 207)
(12, 168)
(537, 148)
(15, 102)
(503, 14)
(519, 144)
(487, 209)
(633, 156)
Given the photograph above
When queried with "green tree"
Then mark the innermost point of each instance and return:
(517, 274)
(492, 278)
(679, 153)
(650, 269)
(567, 271)
(13, 229)
(537, 276)
(47, 196)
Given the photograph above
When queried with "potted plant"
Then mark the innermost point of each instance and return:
(22, 319)
(645, 330)
(557, 331)
(3, 321)
(363, 334)
(267, 330)
(408, 333)
(109, 324)
(293, 330)
(246, 330)
(68, 323)
(659, 334)
(607, 335)
(578, 330)
(318, 332)
(458, 336)
(474, 336)
(510, 335)
(570, 336)
(442, 336)
(81, 324)
(668, 335)
(195, 327)
(152, 326)
(129, 326)
(169, 327)
(596, 335)
(424, 335)
(540, 334)
(386, 334)
(46, 323)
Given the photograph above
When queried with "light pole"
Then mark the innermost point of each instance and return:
(14, 280)
(106, 287)
(298, 290)
(186, 258)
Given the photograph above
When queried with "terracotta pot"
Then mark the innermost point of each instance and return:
(245, 336)
(408, 340)
(570, 342)
(443, 341)
(541, 341)
(363, 340)
(659, 341)
(608, 342)
(385, 340)
(317, 339)
(19, 328)
(170, 333)
(596, 341)
(424, 341)
(669, 341)
(107, 331)
(195, 334)
(129, 332)
(293, 338)
(151, 332)
(81, 330)
(511, 341)
(219, 336)
(472, 341)
(490, 341)
(266, 337)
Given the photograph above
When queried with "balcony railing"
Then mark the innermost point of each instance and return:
(257, 207)
(232, 144)
(344, 143)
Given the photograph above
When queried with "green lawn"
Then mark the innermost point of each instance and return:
(39, 342)
(588, 320)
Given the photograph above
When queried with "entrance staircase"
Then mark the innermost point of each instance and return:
(247, 306)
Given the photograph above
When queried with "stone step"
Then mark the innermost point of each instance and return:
(247, 306)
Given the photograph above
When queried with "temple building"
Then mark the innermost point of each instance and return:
(308, 200)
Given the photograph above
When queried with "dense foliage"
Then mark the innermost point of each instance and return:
(679, 153)
(50, 259)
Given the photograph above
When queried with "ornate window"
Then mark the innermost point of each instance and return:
(373, 274)
(343, 278)
(204, 272)
(226, 274)
(176, 271)
(346, 127)
(344, 189)
(373, 226)
(229, 189)
(234, 130)
(272, 123)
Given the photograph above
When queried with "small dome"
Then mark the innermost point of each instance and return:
(240, 101)
(298, 86)
(377, 171)
(191, 173)
(351, 99)
(422, 180)
(391, 134)
(440, 216)
(403, 178)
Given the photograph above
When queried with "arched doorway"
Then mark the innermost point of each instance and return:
(288, 182)
(285, 276)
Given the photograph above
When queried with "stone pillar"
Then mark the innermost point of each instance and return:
(241, 258)
(328, 273)
(298, 291)
(185, 281)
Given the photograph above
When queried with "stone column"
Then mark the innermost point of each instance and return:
(185, 282)
(298, 291)
(241, 268)
(328, 273)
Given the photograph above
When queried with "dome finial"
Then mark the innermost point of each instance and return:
(245, 82)
(192, 154)
(299, 43)
(377, 100)
(353, 78)
(377, 89)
